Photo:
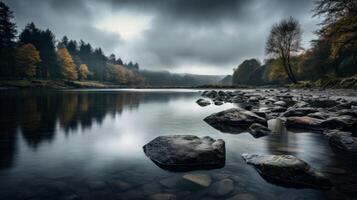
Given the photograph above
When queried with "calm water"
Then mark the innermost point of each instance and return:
(88, 145)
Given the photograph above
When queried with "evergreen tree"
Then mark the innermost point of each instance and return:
(7, 44)
(44, 42)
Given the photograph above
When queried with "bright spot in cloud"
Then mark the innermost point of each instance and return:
(127, 25)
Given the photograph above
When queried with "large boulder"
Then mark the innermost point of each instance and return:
(234, 120)
(343, 141)
(186, 152)
(287, 170)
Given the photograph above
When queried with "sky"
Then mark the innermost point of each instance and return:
(180, 36)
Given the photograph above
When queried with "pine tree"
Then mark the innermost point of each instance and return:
(68, 67)
(7, 44)
(44, 41)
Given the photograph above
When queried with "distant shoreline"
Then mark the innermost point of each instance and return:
(342, 83)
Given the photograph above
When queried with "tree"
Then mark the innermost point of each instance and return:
(68, 67)
(83, 72)
(44, 41)
(27, 59)
(283, 41)
(7, 44)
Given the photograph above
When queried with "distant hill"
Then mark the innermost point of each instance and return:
(165, 78)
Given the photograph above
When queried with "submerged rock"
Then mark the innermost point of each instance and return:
(343, 141)
(234, 120)
(258, 130)
(287, 170)
(203, 102)
(203, 180)
(186, 152)
(305, 123)
(222, 187)
(343, 122)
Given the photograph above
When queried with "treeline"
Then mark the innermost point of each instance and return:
(36, 53)
(332, 55)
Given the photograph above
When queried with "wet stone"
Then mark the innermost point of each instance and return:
(258, 130)
(203, 180)
(203, 102)
(222, 187)
(287, 170)
(186, 152)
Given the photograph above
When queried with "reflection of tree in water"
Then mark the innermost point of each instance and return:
(36, 113)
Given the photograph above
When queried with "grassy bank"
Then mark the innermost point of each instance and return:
(54, 84)
(333, 83)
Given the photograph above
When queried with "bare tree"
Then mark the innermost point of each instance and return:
(285, 40)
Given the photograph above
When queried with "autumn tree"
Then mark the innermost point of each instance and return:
(27, 60)
(7, 38)
(339, 25)
(68, 67)
(284, 40)
(83, 72)
(44, 41)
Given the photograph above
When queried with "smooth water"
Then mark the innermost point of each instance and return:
(87, 144)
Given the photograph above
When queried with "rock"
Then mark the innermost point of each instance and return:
(304, 123)
(163, 196)
(221, 188)
(287, 170)
(218, 103)
(234, 120)
(299, 112)
(320, 115)
(280, 103)
(278, 109)
(343, 122)
(343, 141)
(186, 152)
(340, 107)
(203, 102)
(322, 103)
(258, 130)
(200, 179)
(253, 100)
(210, 94)
(350, 112)
(243, 196)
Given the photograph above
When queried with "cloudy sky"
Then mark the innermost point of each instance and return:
(185, 36)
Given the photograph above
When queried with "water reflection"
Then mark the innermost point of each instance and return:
(37, 115)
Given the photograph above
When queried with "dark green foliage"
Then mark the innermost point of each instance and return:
(7, 44)
(44, 41)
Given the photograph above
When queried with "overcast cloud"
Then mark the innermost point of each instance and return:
(188, 36)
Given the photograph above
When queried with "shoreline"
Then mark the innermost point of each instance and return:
(345, 83)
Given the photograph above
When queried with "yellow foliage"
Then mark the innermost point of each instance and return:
(83, 71)
(67, 64)
(27, 58)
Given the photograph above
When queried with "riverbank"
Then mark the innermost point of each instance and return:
(55, 84)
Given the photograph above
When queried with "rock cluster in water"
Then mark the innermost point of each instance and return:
(186, 152)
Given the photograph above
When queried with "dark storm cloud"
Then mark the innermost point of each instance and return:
(73, 18)
(181, 33)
